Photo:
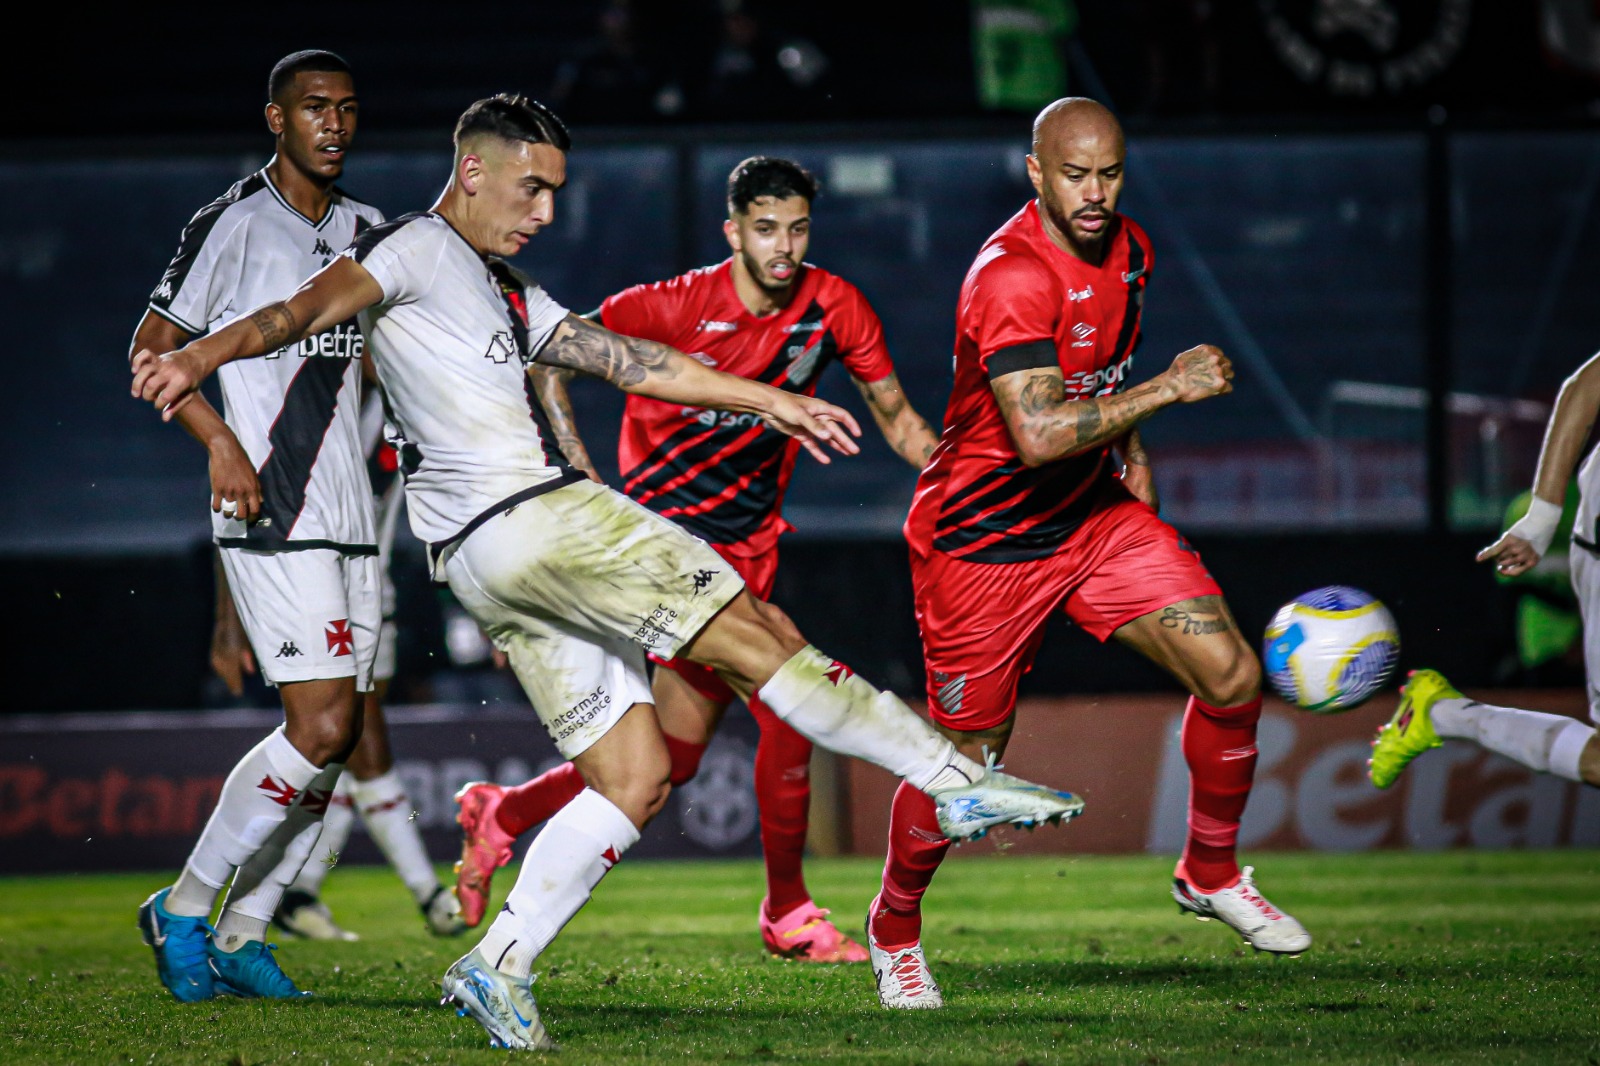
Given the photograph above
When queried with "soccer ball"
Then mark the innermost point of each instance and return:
(1330, 649)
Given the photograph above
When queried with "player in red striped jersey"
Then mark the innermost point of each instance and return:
(764, 314)
(1021, 513)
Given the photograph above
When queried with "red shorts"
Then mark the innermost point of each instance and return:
(982, 623)
(759, 572)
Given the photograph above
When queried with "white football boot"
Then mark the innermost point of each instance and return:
(968, 812)
(904, 980)
(302, 914)
(500, 1003)
(1263, 926)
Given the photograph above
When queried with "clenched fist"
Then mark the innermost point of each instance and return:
(1200, 373)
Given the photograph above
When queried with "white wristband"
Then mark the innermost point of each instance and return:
(1538, 526)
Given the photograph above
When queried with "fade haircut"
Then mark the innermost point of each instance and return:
(311, 60)
(765, 175)
(513, 117)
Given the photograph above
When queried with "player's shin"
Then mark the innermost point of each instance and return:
(783, 796)
(258, 887)
(336, 827)
(1546, 743)
(388, 816)
(916, 848)
(827, 703)
(255, 800)
(566, 861)
(1219, 744)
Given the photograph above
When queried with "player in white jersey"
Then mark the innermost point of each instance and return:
(292, 519)
(571, 579)
(1431, 711)
(369, 784)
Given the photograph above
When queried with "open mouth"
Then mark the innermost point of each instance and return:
(333, 153)
(782, 269)
(1093, 223)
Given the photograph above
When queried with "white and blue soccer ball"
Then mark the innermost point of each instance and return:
(1330, 649)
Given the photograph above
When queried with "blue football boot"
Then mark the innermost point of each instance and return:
(252, 973)
(180, 945)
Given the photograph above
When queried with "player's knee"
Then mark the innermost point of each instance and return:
(327, 737)
(750, 639)
(1234, 678)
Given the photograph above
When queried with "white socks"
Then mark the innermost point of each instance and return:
(336, 826)
(259, 885)
(834, 709)
(1548, 743)
(255, 800)
(567, 859)
(387, 814)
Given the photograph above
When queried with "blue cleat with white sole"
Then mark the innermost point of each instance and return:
(994, 799)
(252, 973)
(180, 944)
(500, 1003)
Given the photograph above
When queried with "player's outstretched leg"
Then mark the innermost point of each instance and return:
(754, 646)
(1198, 642)
(1431, 711)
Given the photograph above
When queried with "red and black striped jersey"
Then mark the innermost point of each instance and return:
(976, 500)
(722, 475)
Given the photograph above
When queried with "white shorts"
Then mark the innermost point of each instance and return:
(1586, 586)
(310, 614)
(387, 508)
(575, 586)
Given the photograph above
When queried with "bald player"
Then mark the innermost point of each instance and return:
(1025, 510)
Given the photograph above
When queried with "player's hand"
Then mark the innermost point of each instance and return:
(1201, 373)
(168, 381)
(1511, 555)
(231, 656)
(235, 488)
(813, 423)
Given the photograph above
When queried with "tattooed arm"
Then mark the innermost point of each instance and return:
(1136, 474)
(905, 430)
(332, 295)
(550, 383)
(652, 369)
(1046, 426)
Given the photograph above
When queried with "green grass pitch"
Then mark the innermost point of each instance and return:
(1453, 957)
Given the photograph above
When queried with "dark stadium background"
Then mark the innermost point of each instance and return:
(1360, 257)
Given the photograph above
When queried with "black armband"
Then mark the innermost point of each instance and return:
(1029, 355)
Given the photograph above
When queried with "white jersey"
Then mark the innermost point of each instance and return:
(295, 411)
(1586, 526)
(452, 339)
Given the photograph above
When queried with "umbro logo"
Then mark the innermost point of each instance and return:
(322, 247)
(288, 651)
(1083, 332)
(1133, 275)
(927, 835)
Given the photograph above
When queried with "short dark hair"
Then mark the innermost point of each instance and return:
(514, 117)
(765, 175)
(311, 60)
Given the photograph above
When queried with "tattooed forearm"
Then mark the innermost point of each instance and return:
(905, 430)
(1046, 426)
(550, 383)
(1198, 617)
(276, 324)
(623, 361)
(1133, 450)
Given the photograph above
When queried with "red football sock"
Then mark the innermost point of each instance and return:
(685, 759)
(532, 802)
(528, 804)
(1219, 744)
(916, 848)
(783, 794)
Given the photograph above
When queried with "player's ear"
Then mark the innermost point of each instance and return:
(730, 230)
(469, 172)
(274, 119)
(1035, 173)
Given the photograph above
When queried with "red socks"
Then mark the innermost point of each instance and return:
(783, 795)
(532, 802)
(916, 848)
(1219, 744)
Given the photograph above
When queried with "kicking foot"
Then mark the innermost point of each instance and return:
(302, 914)
(442, 912)
(180, 945)
(970, 811)
(485, 847)
(252, 973)
(1263, 926)
(500, 1003)
(806, 935)
(1410, 732)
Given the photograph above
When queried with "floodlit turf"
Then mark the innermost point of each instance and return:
(1454, 957)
